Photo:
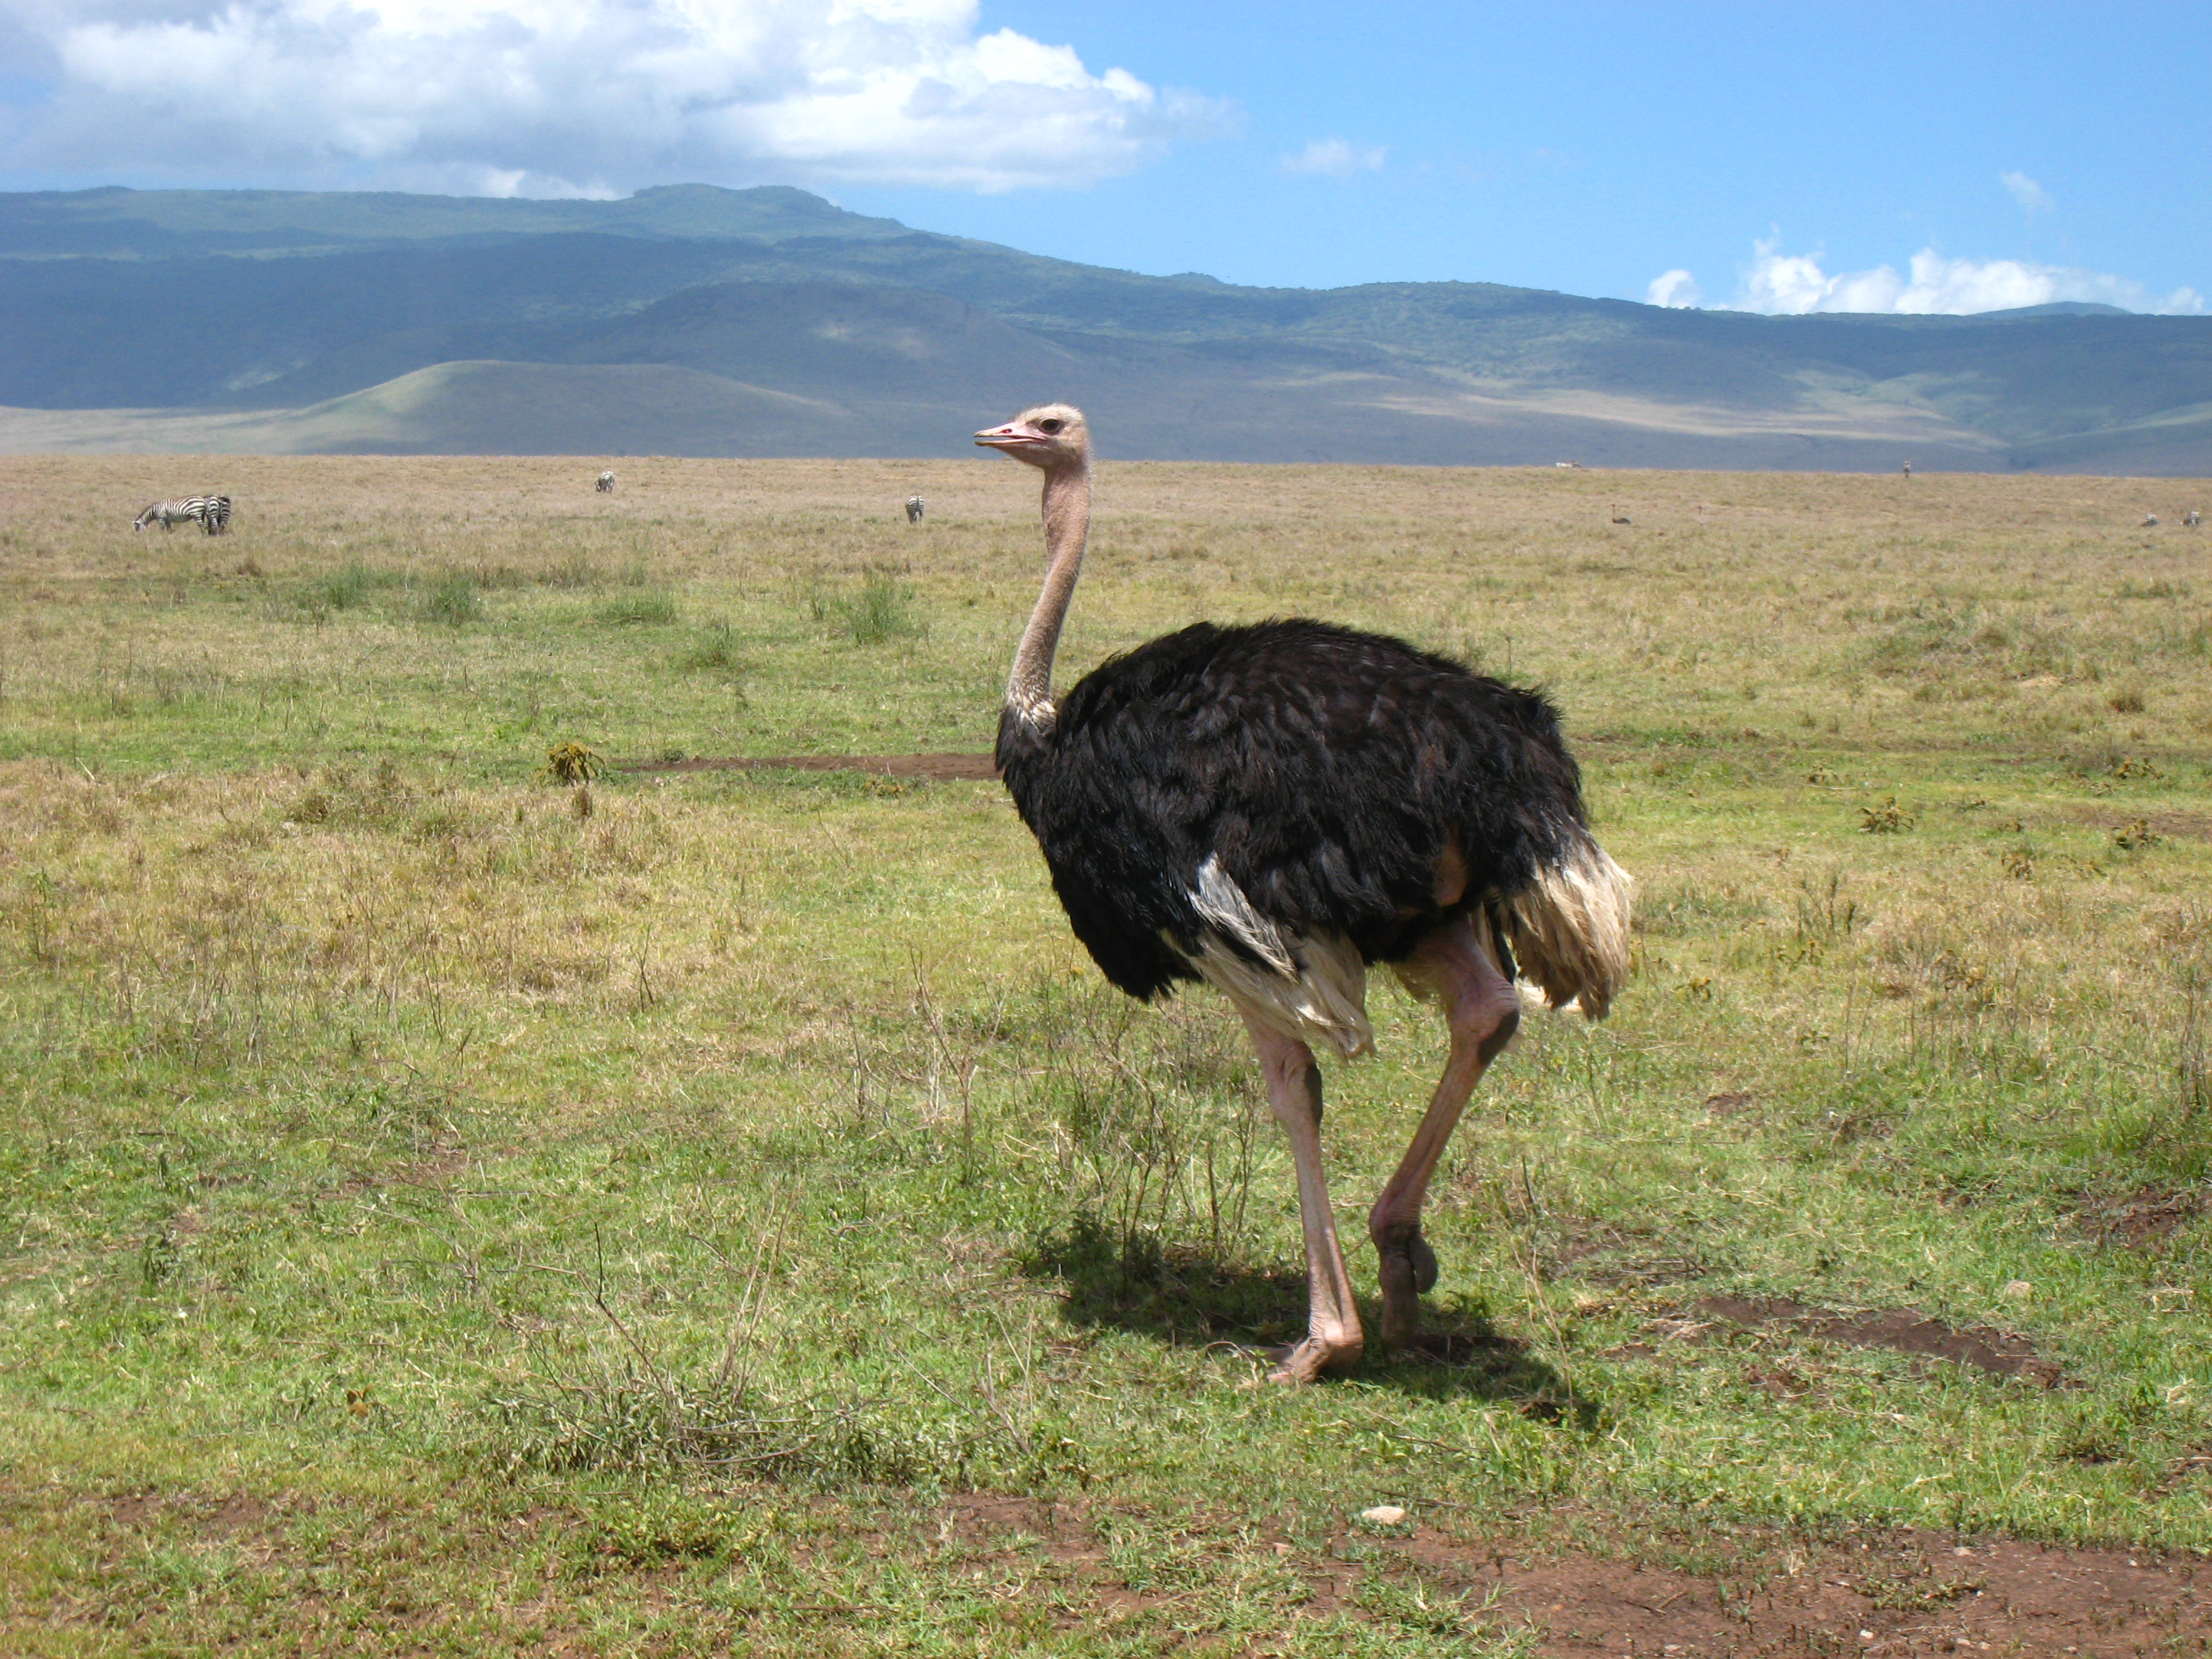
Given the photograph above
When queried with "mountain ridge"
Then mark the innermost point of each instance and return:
(269, 304)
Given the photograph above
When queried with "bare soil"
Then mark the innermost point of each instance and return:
(1904, 1592)
(1906, 1331)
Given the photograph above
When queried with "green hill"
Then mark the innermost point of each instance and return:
(771, 322)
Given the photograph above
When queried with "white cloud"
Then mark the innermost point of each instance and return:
(2032, 197)
(1794, 284)
(550, 96)
(1333, 158)
(1676, 289)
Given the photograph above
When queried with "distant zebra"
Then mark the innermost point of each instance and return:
(606, 484)
(211, 512)
(914, 504)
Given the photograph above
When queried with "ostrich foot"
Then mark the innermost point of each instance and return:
(1409, 1267)
(1310, 1360)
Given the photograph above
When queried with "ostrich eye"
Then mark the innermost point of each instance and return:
(1050, 428)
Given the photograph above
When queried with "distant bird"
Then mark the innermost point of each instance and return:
(1619, 517)
(2193, 518)
(2149, 519)
(1908, 469)
(211, 512)
(1275, 807)
(914, 504)
(606, 484)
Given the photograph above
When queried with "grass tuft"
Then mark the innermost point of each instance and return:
(883, 609)
(650, 607)
(452, 598)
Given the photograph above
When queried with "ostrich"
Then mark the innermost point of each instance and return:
(1272, 808)
(606, 484)
(2149, 520)
(1619, 517)
(914, 504)
(1908, 469)
(2193, 518)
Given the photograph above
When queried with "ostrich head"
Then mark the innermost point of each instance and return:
(1051, 436)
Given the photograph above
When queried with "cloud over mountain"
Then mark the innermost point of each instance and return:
(572, 96)
(1778, 284)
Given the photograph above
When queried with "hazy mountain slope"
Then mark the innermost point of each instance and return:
(227, 302)
(163, 224)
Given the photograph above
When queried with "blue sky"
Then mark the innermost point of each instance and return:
(1590, 148)
(1785, 159)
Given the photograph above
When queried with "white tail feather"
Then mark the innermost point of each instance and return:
(1569, 931)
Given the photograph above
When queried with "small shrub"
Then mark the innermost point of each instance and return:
(452, 599)
(571, 763)
(2126, 701)
(2132, 837)
(1887, 819)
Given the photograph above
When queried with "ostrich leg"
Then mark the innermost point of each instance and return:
(1482, 1010)
(1333, 1340)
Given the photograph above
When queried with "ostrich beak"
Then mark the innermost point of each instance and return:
(1012, 438)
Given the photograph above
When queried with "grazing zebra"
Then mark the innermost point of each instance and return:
(211, 512)
(914, 504)
(606, 484)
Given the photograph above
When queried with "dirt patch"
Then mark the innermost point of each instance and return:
(1898, 1594)
(950, 768)
(1999, 1354)
(2146, 1219)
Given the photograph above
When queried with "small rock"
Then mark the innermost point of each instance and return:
(1384, 1514)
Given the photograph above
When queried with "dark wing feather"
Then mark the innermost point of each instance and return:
(1327, 770)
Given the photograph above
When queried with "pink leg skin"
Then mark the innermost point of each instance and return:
(1483, 1011)
(1333, 1340)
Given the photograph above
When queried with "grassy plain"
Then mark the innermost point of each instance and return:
(452, 1211)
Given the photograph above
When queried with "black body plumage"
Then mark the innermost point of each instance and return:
(1328, 770)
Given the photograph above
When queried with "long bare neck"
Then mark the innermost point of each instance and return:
(1066, 527)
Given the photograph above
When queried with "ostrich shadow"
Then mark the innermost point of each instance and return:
(1191, 1296)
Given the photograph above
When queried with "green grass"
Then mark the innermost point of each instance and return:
(442, 1219)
